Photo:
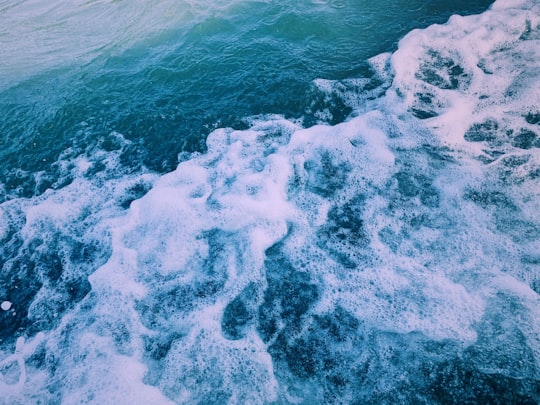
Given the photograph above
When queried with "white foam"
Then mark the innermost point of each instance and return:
(494, 57)
(105, 377)
(241, 371)
(72, 225)
(395, 219)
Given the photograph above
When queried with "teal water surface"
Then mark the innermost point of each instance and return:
(169, 89)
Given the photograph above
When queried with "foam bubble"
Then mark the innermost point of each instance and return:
(6, 305)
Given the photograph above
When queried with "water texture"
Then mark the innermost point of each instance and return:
(318, 202)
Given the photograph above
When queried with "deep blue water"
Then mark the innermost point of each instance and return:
(270, 202)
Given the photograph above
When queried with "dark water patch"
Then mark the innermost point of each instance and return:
(533, 118)
(443, 72)
(133, 193)
(482, 65)
(20, 284)
(514, 161)
(325, 175)
(325, 351)
(288, 297)
(525, 139)
(456, 382)
(235, 318)
(167, 303)
(519, 229)
(514, 169)
(423, 114)
(239, 313)
(494, 199)
(408, 184)
(531, 265)
(481, 132)
(430, 197)
(411, 184)
(325, 108)
(320, 349)
(426, 106)
(343, 236)
(156, 348)
(439, 156)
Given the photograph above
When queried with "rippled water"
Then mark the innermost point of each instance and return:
(165, 75)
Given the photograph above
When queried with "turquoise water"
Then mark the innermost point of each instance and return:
(166, 89)
(308, 202)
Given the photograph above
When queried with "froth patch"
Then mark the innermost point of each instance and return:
(206, 367)
(51, 244)
(374, 260)
(105, 376)
(473, 78)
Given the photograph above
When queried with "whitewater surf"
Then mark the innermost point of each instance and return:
(377, 242)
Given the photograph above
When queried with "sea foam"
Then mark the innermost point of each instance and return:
(390, 258)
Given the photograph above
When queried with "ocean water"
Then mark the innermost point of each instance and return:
(246, 202)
